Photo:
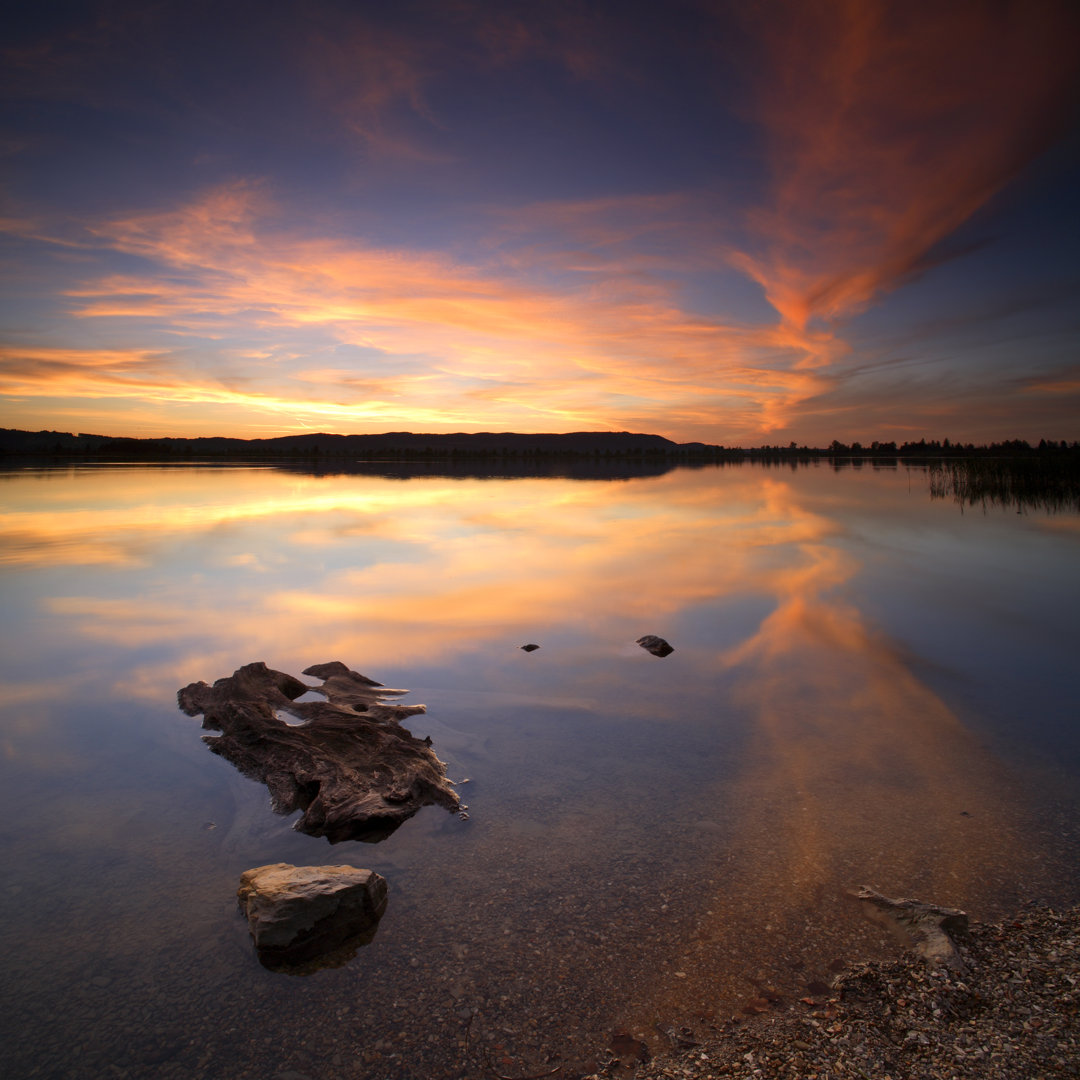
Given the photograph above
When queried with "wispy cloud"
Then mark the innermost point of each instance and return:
(888, 126)
(381, 81)
(500, 345)
(82, 372)
(373, 80)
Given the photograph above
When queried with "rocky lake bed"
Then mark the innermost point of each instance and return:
(1012, 1011)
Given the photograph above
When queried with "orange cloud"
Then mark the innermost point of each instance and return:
(81, 372)
(498, 349)
(888, 126)
(1067, 382)
(200, 233)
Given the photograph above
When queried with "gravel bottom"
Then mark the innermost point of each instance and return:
(1011, 1013)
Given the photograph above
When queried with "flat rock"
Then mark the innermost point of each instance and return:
(300, 914)
(347, 762)
(656, 645)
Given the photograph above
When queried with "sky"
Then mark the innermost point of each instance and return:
(742, 223)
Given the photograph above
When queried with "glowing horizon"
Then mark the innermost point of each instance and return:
(850, 222)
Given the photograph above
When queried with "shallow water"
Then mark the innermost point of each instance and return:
(868, 686)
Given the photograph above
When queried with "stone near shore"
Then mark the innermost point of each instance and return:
(656, 645)
(349, 765)
(298, 914)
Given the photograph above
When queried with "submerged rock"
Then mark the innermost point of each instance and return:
(299, 914)
(349, 765)
(656, 645)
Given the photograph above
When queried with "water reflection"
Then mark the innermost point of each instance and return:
(647, 837)
(223, 567)
(1048, 481)
(857, 771)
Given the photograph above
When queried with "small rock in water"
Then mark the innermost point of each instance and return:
(531, 647)
(656, 645)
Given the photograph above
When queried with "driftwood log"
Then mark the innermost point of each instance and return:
(927, 929)
(347, 763)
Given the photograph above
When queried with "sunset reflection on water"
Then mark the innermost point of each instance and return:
(233, 564)
(659, 838)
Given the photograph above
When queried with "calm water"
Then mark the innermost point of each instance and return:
(868, 686)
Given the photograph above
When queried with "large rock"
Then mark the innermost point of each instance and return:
(349, 765)
(298, 914)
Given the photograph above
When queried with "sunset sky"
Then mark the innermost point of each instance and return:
(741, 223)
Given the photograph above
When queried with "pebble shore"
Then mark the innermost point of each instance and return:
(1011, 1012)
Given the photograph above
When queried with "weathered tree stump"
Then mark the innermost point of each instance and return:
(926, 928)
(348, 765)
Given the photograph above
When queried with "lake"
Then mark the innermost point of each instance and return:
(869, 686)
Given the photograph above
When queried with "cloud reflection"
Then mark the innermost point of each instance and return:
(843, 719)
(487, 559)
(856, 772)
(849, 768)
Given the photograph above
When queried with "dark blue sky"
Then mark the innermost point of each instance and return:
(730, 222)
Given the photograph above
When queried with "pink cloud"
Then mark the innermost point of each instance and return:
(888, 126)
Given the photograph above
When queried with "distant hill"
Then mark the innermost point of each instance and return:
(506, 447)
(391, 446)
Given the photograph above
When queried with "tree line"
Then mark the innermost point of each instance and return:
(408, 446)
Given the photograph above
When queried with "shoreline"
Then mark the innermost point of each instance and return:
(1011, 1011)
